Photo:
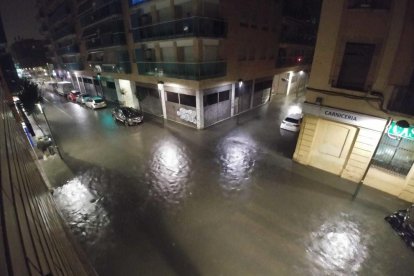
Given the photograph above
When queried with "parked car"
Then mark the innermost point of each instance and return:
(95, 102)
(64, 87)
(82, 98)
(127, 115)
(292, 122)
(73, 95)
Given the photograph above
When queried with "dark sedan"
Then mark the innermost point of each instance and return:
(127, 115)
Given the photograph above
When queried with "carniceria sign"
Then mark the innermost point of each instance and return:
(396, 131)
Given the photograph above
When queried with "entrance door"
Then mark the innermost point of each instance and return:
(332, 144)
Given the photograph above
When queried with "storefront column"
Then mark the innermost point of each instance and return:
(161, 91)
(232, 99)
(199, 109)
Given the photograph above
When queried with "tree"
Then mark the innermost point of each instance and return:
(29, 95)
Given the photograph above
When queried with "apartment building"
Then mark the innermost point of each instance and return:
(360, 97)
(196, 62)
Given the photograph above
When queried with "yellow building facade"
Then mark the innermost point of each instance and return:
(360, 85)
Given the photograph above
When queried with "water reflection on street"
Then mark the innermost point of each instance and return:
(168, 172)
(237, 156)
(83, 208)
(159, 199)
(338, 246)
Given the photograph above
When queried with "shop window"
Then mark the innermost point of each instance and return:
(86, 80)
(395, 155)
(188, 100)
(210, 99)
(224, 96)
(110, 84)
(172, 97)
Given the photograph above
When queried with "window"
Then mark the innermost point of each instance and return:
(394, 155)
(369, 4)
(172, 97)
(355, 66)
(210, 99)
(110, 84)
(188, 100)
(224, 96)
(86, 80)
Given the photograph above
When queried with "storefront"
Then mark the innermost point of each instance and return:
(343, 143)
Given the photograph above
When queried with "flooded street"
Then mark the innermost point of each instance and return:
(164, 199)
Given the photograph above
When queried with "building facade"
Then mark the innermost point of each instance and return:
(196, 62)
(361, 91)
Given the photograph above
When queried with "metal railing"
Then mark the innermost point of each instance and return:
(34, 239)
(186, 27)
(184, 70)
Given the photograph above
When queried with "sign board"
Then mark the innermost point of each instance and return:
(344, 116)
(396, 131)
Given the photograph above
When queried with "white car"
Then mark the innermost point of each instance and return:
(95, 102)
(292, 122)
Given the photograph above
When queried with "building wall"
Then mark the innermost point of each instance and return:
(391, 65)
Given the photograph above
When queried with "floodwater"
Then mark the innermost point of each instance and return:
(164, 199)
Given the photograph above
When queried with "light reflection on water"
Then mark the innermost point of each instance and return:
(168, 173)
(237, 160)
(83, 209)
(338, 246)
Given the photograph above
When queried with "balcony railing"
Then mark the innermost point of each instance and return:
(87, 5)
(120, 67)
(107, 40)
(59, 13)
(71, 49)
(296, 38)
(106, 11)
(73, 66)
(402, 100)
(191, 71)
(192, 26)
(292, 61)
(66, 31)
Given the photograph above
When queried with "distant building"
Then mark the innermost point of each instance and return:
(6, 63)
(29, 53)
(196, 62)
(361, 85)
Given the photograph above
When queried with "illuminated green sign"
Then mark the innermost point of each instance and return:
(407, 133)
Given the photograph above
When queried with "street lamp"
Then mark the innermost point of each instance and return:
(50, 130)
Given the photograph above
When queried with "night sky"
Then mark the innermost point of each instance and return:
(19, 19)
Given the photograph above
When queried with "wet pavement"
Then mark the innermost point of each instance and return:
(164, 199)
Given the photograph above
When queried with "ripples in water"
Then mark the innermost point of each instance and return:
(83, 210)
(338, 247)
(168, 173)
(237, 160)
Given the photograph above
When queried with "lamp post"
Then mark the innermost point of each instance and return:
(50, 130)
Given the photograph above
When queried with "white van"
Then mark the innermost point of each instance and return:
(64, 87)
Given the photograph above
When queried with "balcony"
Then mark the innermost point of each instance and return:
(188, 27)
(297, 38)
(120, 67)
(106, 40)
(402, 100)
(63, 32)
(86, 6)
(73, 66)
(59, 13)
(292, 61)
(107, 11)
(67, 50)
(181, 70)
